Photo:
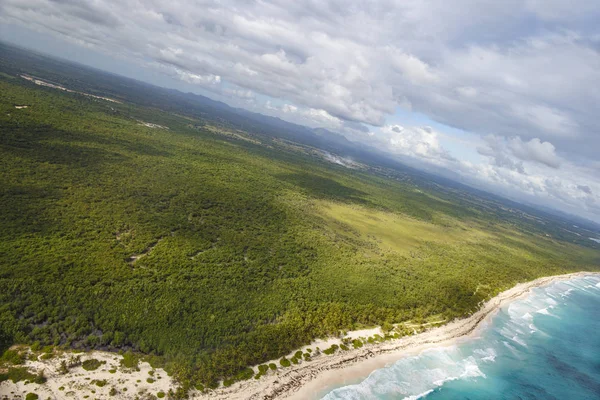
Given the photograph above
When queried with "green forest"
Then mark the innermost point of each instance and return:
(214, 249)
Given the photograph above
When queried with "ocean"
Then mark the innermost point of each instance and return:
(544, 346)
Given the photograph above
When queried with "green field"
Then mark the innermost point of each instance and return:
(216, 249)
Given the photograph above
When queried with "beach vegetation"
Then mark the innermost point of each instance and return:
(130, 360)
(207, 248)
(17, 374)
(63, 367)
(14, 357)
(332, 349)
(263, 368)
(91, 364)
(285, 362)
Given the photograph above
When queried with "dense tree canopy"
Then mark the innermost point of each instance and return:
(218, 249)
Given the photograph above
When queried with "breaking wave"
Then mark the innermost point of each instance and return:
(508, 336)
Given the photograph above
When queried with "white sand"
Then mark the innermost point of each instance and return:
(78, 382)
(308, 379)
(301, 381)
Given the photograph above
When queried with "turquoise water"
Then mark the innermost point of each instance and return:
(545, 346)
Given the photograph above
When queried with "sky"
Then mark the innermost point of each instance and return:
(500, 95)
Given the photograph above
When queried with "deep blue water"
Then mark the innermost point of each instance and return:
(545, 346)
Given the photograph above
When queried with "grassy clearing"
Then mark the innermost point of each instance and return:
(250, 248)
(393, 231)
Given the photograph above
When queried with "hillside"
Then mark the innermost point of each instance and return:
(126, 225)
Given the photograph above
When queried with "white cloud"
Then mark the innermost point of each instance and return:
(243, 94)
(525, 71)
(535, 150)
(198, 79)
(417, 142)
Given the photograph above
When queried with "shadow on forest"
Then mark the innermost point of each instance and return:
(325, 188)
(20, 207)
(83, 149)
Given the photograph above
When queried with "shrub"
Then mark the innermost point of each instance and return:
(39, 378)
(74, 361)
(228, 382)
(130, 360)
(331, 350)
(150, 380)
(101, 383)
(13, 357)
(284, 362)
(91, 365)
(243, 375)
(357, 343)
(298, 354)
(160, 395)
(263, 368)
(155, 361)
(387, 327)
(32, 396)
(273, 366)
(344, 347)
(112, 392)
(17, 374)
(63, 368)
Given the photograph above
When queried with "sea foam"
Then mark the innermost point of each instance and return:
(502, 349)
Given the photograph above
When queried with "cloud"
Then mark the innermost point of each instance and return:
(247, 95)
(585, 189)
(525, 72)
(488, 68)
(503, 152)
(535, 150)
(421, 143)
(198, 79)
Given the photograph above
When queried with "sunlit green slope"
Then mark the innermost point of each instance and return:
(217, 249)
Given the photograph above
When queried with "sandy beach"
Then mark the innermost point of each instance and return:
(305, 380)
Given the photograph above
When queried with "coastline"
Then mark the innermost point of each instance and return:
(308, 380)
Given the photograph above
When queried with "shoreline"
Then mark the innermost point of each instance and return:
(308, 380)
